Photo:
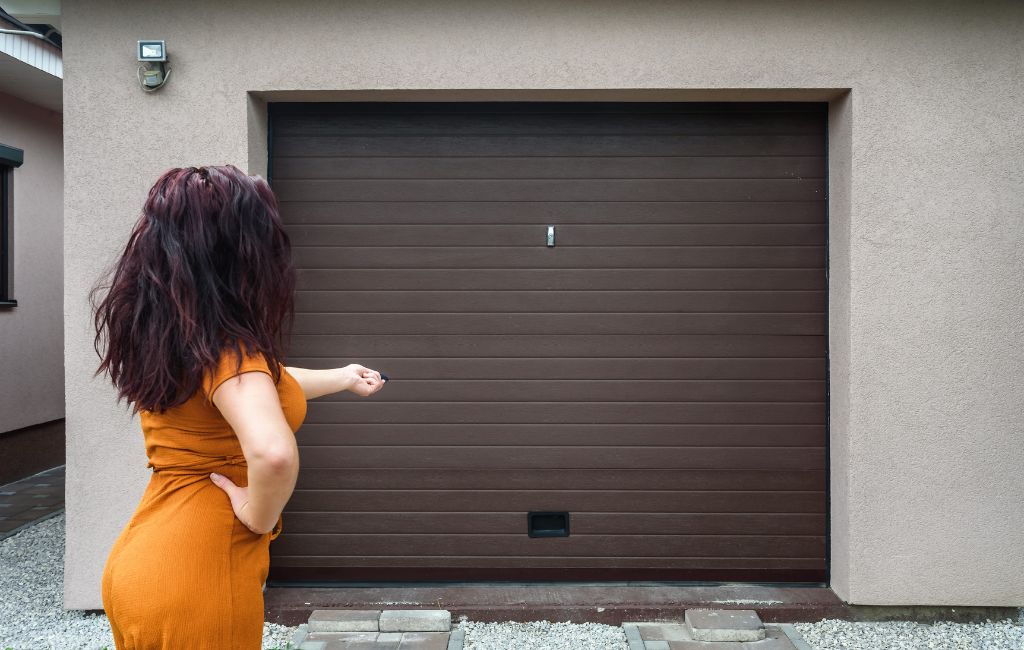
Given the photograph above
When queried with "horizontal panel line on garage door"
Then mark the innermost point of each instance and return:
(484, 357)
(514, 109)
(563, 280)
(567, 212)
(659, 234)
(554, 302)
(613, 226)
(564, 345)
(373, 146)
(622, 390)
(618, 380)
(548, 167)
(792, 324)
(580, 457)
(353, 400)
(576, 557)
(340, 249)
(573, 257)
(579, 125)
(587, 491)
(332, 179)
(528, 446)
(559, 500)
(702, 424)
(381, 201)
(575, 512)
(386, 269)
(563, 369)
(469, 545)
(574, 534)
(358, 169)
(534, 124)
(539, 224)
(369, 476)
(554, 144)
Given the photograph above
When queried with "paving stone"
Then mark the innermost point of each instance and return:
(344, 620)
(415, 620)
(300, 632)
(424, 641)
(631, 631)
(663, 632)
(457, 639)
(656, 645)
(706, 645)
(724, 624)
(347, 637)
(312, 645)
(636, 644)
(794, 636)
(361, 645)
(775, 639)
(389, 636)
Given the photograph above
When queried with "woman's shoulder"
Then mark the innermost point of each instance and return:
(230, 364)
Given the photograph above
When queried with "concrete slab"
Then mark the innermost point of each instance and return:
(724, 625)
(674, 636)
(300, 634)
(347, 637)
(424, 641)
(663, 632)
(360, 645)
(794, 636)
(775, 639)
(631, 631)
(344, 620)
(415, 620)
(705, 645)
(457, 639)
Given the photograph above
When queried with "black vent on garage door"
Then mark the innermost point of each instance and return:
(660, 373)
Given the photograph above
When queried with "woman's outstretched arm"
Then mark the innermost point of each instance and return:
(353, 377)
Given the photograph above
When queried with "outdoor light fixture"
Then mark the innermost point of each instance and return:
(153, 74)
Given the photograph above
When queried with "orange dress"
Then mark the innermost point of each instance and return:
(185, 572)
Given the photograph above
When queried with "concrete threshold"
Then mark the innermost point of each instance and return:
(610, 603)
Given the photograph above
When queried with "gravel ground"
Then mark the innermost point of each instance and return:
(542, 635)
(831, 634)
(32, 617)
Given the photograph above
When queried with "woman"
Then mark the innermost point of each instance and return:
(194, 321)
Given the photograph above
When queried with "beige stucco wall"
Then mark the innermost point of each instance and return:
(31, 335)
(925, 218)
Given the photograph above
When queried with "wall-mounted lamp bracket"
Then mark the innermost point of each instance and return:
(153, 73)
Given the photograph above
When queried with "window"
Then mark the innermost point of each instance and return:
(10, 157)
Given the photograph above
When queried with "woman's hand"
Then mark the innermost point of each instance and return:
(361, 380)
(239, 497)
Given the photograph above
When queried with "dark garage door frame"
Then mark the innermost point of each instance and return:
(306, 512)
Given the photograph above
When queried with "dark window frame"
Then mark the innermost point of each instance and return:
(10, 158)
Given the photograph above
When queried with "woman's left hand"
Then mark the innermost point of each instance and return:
(361, 380)
(239, 497)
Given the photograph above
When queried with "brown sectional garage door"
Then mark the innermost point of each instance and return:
(659, 374)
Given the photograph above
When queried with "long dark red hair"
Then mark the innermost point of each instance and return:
(207, 266)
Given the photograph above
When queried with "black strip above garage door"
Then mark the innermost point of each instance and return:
(659, 374)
